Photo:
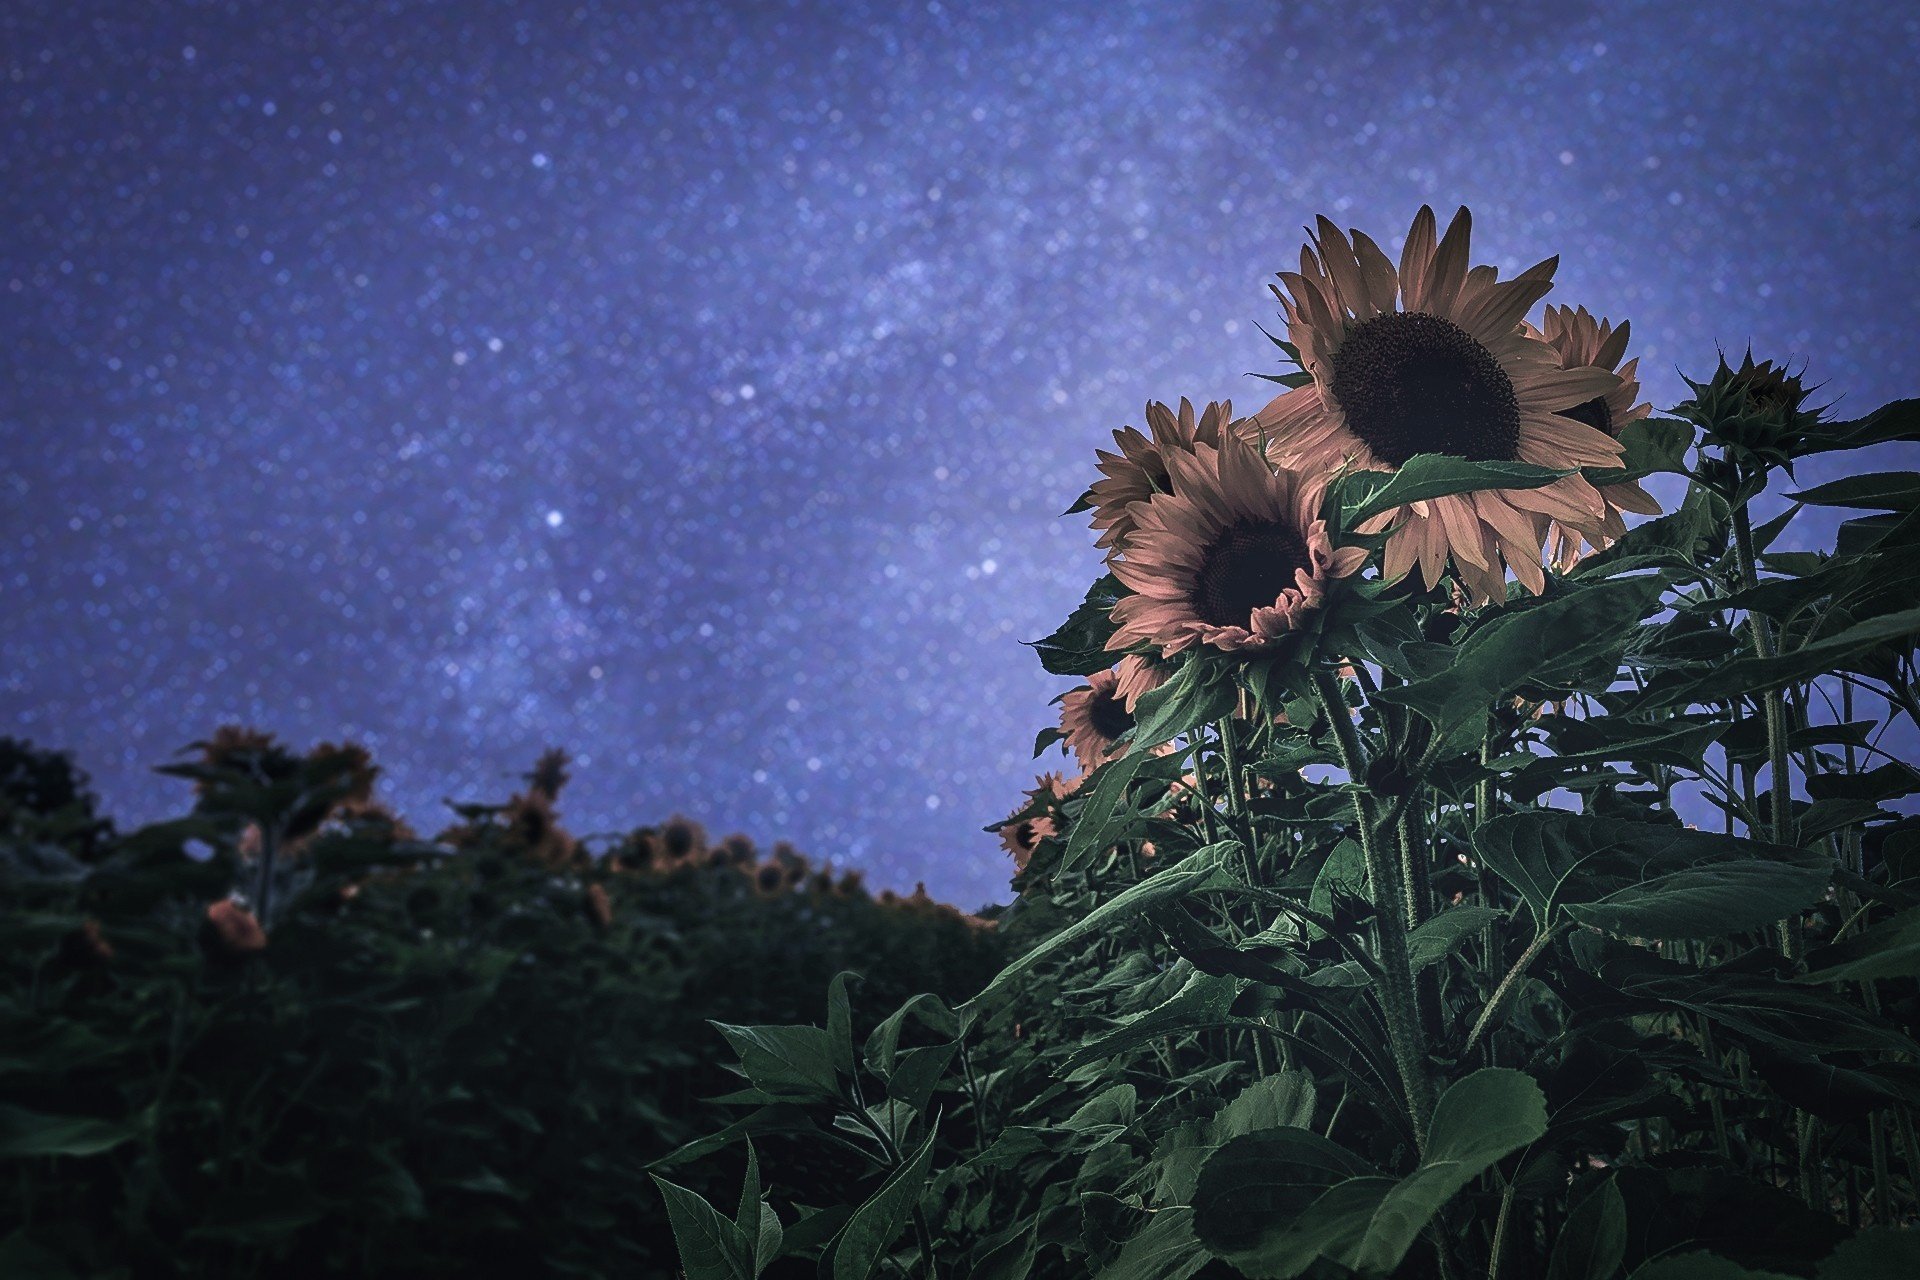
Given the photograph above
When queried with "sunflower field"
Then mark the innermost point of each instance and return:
(1482, 844)
(284, 1035)
(1490, 853)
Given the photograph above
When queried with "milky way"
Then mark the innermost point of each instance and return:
(699, 390)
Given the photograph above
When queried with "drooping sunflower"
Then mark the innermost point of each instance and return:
(1431, 357)
(1139, 470)
(1584, 342)
(1235, 557)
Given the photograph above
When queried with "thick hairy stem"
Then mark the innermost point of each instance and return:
(1397, 999)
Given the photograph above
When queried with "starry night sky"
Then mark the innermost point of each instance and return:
(698, 389)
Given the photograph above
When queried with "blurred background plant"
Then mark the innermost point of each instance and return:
(284, 1034)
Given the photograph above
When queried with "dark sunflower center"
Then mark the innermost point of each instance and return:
(1109, 715)
(1023, 835)
(1412, 383)
(1247, 568)
(1593, 413)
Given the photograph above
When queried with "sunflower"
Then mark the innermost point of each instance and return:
(1583, 342)
(1093, 717)
(1234, 557)
(1139, 470)
(1431, 357)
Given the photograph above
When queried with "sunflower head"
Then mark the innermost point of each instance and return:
(1236, 558)
(1582, 341)
(1430, 356)
(598, 907)
(1141, 470)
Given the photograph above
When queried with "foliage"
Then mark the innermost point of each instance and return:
(1400, 955)
(436, 1058)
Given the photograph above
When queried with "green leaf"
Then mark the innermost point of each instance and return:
(876, 1224)
(711, 1248)
(1197, 693)
(1203, 869)
(32, 1133)
(1879, 1253)
(1079, 647)
(1898, 420)
(1089, 833)
(1638, 879)
(1440, 935)
(1285, 1099)
(840, 1022)
(792, 1064)
(1365, 494)
(1700, 1265)
(1257, 1202)
(1745, 677)
(1478, 1120)
(1593, 1243)
(1890, 949)
(1871, 491)
(1552, 641)
(1164, 1250)
(1653, 445)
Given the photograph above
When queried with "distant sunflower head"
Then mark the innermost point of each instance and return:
(1021, 837)
(1582, 341)
(684, 838)
(1236, 558)
(1140, 469)
(230, 931)
(1093, 717)
(1430, 356)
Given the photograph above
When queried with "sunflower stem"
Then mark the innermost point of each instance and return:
(1772, 706)
(1397, 994)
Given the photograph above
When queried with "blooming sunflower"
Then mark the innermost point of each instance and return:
(1583, 342)
(1431, 357)
(1139, 470)
(1234, 557)
(1093, 717)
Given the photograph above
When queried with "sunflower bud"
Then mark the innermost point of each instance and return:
(1757, 409)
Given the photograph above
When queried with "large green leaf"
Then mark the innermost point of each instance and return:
(1478, 1120)
(1255, 1204)
(1871, 491)
(1553, 641)
(1890, 949)
(1896, 420)
(1274, 1201)
(1285, 1099)
(1745, 677)
(1881, 1253)
(1203, 869)
(1643, 880)
(1365, 494)
(1593, 1243)
(792, 1064)
(877, 1223)
(1165, 1249)
(711, 1248)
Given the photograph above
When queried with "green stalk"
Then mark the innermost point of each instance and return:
(1397, 999)
(1509, 985)
(1780, 794)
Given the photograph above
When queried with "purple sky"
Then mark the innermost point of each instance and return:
(697, 390)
